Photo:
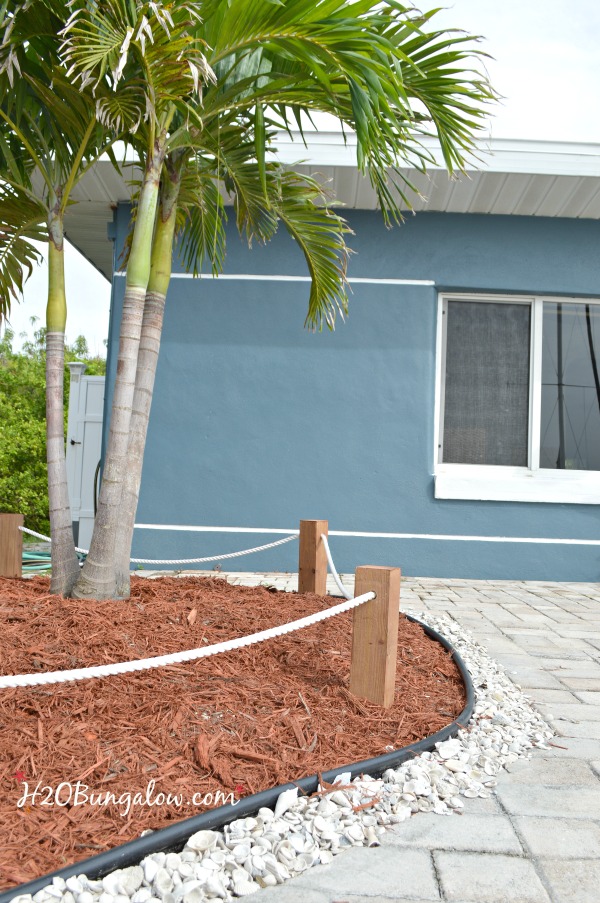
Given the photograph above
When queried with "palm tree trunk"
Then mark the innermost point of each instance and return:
(65, 565)
(160, 275)
(98, 576)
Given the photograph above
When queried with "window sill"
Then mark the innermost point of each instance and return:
(516, 484)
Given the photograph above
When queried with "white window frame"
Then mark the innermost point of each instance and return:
(508, 484)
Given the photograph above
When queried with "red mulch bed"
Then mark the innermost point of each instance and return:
(238, 722)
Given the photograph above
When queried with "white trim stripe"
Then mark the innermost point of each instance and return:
(263, 277)
(369, 535)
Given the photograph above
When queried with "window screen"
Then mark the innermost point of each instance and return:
(570, 422)
(486, 408)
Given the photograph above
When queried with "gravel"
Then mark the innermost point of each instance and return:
(273, 846)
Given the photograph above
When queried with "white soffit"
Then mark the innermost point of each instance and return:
(510, 177)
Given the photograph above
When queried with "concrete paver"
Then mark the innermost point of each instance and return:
(589, 697)
(571, 711)
(480, 833)
(582, 683)
(489, 879)
(569, 668)
(560, 697)
(370, 872)
(557, 801)
(572, 881)
(575, 748)
(572, 728)
(560, 838)
(538, 839)
(551, 771)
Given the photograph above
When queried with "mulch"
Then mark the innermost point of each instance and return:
(239, 722)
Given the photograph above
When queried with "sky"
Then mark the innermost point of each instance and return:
(88, 299)
(544, 64)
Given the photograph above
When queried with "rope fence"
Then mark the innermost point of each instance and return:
(332, 570)
(161, 661)
(270, 545)
(374, 625)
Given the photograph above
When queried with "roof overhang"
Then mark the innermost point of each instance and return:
(510, 177)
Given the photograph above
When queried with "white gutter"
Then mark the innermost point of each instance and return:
(498, 155)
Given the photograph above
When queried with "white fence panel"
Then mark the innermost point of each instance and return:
(84, 444)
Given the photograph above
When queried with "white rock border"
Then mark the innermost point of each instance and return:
(251, 853)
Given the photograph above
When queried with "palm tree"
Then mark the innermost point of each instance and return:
(49, 138)
(200, 89)
(190, 194)
(211, 82)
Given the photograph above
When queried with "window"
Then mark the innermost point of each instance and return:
(518, 399)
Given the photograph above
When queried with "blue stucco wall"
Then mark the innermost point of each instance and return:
(258, 423)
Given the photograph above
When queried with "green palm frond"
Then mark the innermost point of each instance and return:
(155, 44)
(21, 222)
(215, 79)
(246, 182)
(202, 220)
(49, 135)
(379, 68)
(319, 232)
(122, 111)
(28, 32)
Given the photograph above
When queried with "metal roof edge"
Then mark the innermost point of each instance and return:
(500, 155)
(509, 155)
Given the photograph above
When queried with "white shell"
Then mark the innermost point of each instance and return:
(266, 814)
(194, 896)
(339, 798)
(202, 841)
(150, 867)
(326, 808)
(245, 888)
(355, 833)
(372, 838)
(140, 896)
(111, 883)
(344, 778)
(285, 852)
(163, 882)
(215, 886)
(285, 800)
(240, 852)
(449, 748)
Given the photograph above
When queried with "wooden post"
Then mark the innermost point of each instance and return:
(11, 545)
(375, 635)
(312, 563)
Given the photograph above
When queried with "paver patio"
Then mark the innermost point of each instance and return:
(538, 838)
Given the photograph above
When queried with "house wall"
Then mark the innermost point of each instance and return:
(258, 423)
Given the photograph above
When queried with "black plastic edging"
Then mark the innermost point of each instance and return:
(174, 837)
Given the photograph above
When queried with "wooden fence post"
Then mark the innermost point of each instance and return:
(312, 562)
(11, 545)
(375, 635)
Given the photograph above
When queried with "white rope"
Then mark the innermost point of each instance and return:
(159, 661)
(334, 573)
(270, 545)
(362, 535)
(46, 538)
(372, 535)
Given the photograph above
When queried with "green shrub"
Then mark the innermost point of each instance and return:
(23, 471)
